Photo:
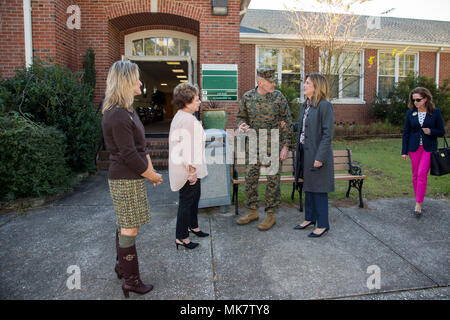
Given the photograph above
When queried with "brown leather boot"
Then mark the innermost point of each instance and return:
(268, 222)
(117, 268)
(130, 266)
(251, 215)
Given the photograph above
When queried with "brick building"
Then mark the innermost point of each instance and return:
(163, 35)
(269, 38)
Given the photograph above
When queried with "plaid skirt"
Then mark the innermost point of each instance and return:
(130, 202)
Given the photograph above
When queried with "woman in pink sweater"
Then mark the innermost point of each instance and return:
(187, 163)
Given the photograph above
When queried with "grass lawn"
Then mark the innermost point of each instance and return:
(388, 176)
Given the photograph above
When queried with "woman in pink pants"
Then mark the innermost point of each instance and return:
(423, 125)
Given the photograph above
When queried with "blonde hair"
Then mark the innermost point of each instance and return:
(122, 78)
(320, 87)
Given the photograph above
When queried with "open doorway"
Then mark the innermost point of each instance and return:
(154, 105)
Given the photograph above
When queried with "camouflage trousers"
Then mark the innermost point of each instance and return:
(273, 192)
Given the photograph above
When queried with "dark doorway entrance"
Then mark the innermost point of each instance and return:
(154, 106)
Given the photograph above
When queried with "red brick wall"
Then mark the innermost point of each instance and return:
(219, 43)
(444, 67)
(370, 75)
(351, 113)
(311, 60)
(104, 23)
(12, 48)
(43, 19)
(104, 39)
(427, 64)
(247, 68)
(66, 39)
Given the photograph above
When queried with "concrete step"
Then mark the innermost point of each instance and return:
(160, 164)
(102, 165)
(103, 155)
(158, 148)
(157, 143)
(158, 153)
(154, 153)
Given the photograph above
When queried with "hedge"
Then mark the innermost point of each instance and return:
(32, 162)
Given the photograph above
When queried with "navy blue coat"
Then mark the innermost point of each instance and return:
(412, 131)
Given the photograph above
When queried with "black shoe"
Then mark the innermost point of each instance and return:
(314, 235)
(200, 233)
(299, 227)
(417, 214)
(190, 245)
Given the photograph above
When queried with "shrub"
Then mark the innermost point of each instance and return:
(354, 129)
(291, 95)
(393, 108)
(443, 100)
(55, 96)
(89, 68)
(32, 159)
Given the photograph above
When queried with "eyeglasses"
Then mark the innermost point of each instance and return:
(417, 100)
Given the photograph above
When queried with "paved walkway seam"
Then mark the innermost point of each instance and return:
(384, 292)
(398, 254)
(212, 259)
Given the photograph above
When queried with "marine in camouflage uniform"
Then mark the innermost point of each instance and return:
(264, 111)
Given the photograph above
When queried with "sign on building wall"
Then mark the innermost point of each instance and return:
(219, 82)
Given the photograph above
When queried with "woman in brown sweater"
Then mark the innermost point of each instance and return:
(124, 137)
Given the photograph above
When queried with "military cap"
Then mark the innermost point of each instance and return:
(266, 73)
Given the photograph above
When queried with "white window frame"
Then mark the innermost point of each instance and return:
(280, 64)
(397, 63)
(358, 100)
(129, 38)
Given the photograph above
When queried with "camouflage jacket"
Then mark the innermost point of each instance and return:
(266, 112)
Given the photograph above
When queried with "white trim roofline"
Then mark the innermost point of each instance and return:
(264, 36)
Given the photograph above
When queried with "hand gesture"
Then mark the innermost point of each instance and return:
(404, 156)
(426, 131)
(155, 178)
(284, 153)
(192, 178)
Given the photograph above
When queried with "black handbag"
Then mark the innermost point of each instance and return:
(440, 161)
(299, 163)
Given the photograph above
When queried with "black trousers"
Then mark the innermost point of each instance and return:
(188, 209)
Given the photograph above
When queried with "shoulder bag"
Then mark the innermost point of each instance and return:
(440, 160)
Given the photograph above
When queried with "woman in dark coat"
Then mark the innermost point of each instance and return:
(316, 128)
(423, 125)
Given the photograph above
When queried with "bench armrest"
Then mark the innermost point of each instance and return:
(355, 168)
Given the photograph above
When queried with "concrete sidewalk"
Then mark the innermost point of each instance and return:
(235, 262)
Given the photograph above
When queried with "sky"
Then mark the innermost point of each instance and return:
(415, 9)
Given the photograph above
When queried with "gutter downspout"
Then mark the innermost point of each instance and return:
(28, 33)
(438, 60)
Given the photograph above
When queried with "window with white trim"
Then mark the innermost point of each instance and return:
(287, 64)
(345, 74)
(393, 68)
(161, 47)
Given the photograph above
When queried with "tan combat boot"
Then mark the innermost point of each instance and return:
(251, 215)
(268, 222)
